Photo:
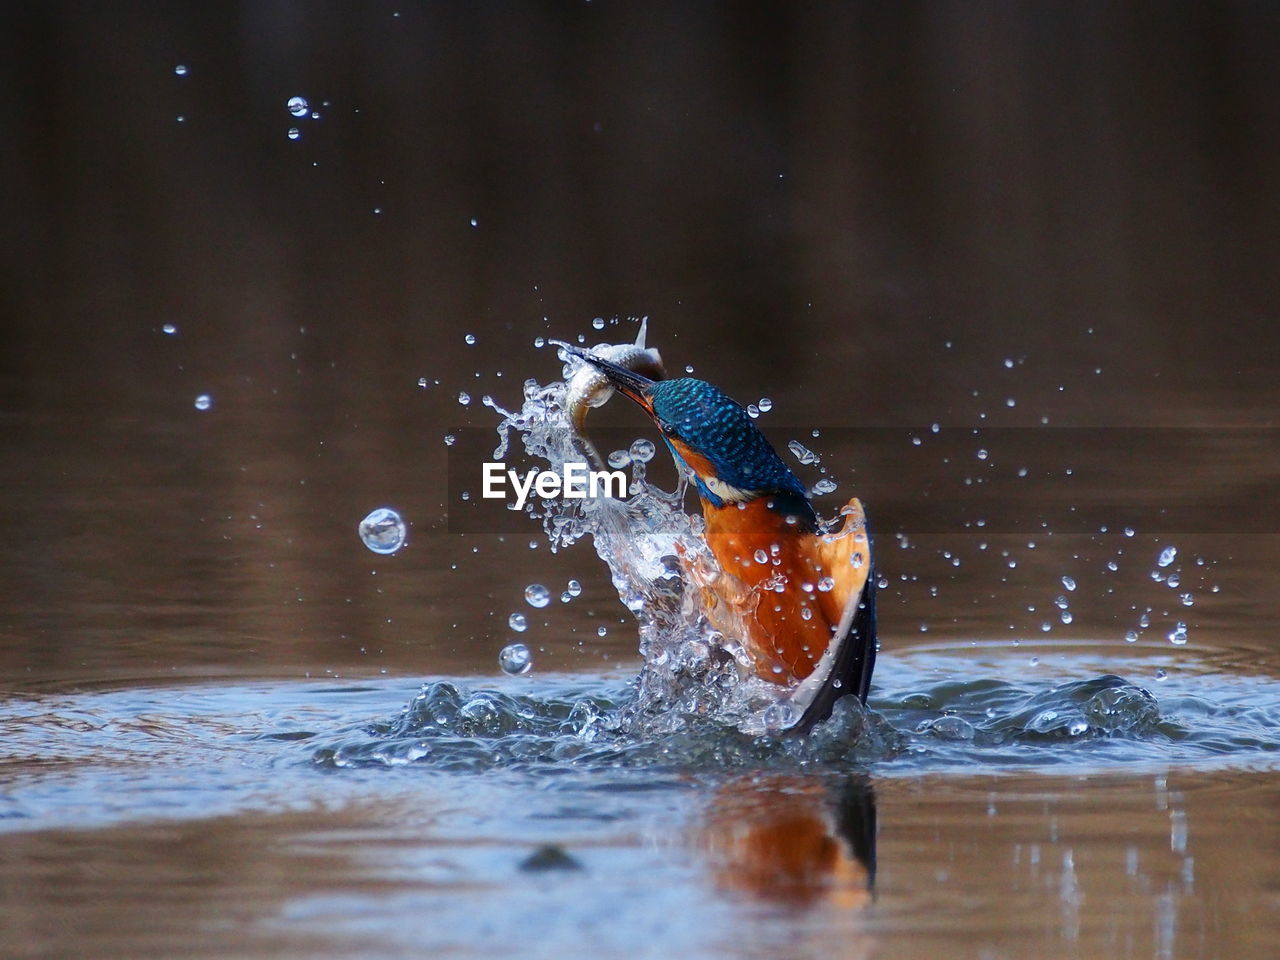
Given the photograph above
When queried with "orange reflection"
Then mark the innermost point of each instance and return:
(791, 841)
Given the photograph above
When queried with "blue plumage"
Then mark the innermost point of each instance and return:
(719, 429)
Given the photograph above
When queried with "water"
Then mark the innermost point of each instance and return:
(101, 757)
(1055, 798)
(1046, 797)
(383, 531)
(233, 730)
(536, 595)
(515, 659)
(517, 811)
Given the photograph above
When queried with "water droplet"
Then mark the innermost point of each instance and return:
(471, 339)
(598, 323)
(539, 342)
(1112, 566)
(1008, 363)
(802, 453)
(753, 411)
(778, 717)
(935, 427)
(383, 531)
(169, 329)
(806, 613)
(1046, 626)
(203, 402)
(515, 659)
(1069, 583)
(298, 106)
(883, 583)
(536, 595)
(1187, 599)
(1144, 621)
(1161, 674)
(1174, 580)
(450, 439)
(464, 398)
(1061, 602)
(1010, 402)
(601, 631)
(642, 451)
(765, 404)
(1167, 556)
(619, 459)
(518, 623)
(1066, 616)
(294, 133)
(916, 441)
(1131, 636)
(982, 454)
(574, 588)
(825, 485)
(1178, 635)
(826, 584)
(1128, 531)
(474, 222)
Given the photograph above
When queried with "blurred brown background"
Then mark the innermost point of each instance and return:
(859, 210)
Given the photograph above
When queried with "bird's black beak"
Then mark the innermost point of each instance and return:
(629, 384)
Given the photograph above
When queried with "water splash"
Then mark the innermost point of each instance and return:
(697, 703)
(456, 729)
(660, 565)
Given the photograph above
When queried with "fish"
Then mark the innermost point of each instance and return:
(588, 387)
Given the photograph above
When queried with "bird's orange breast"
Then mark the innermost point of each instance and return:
(786, 589)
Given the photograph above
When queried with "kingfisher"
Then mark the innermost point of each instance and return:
(798, 594)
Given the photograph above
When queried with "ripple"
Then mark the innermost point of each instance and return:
(102, 754)
(918, 724)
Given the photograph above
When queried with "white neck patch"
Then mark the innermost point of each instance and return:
(727, 492)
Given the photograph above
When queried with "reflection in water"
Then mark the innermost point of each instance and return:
(793, 841)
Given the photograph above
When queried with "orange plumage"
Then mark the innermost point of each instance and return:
(800, 599)
(787, 608)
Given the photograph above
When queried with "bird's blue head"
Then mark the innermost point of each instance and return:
(730, 460)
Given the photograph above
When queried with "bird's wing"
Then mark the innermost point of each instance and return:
(845, 667)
